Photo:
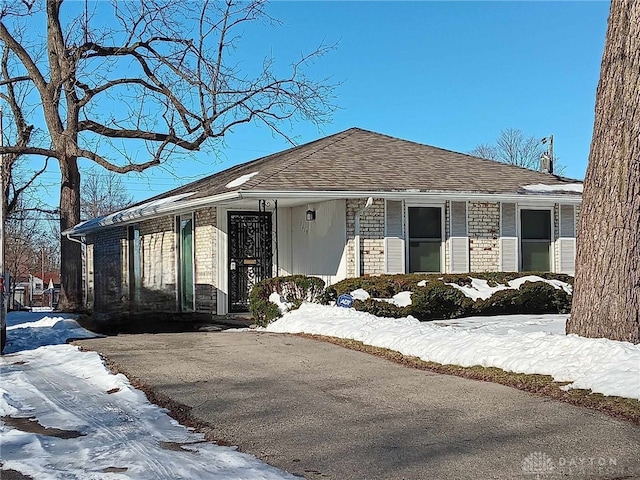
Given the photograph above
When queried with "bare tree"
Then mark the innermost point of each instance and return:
(102, 194)
(159, 74)
(515, 148)
(29, 246)
(606, 300)
(16, 180)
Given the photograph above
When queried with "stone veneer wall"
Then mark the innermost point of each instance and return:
(484, 236)
(371, 237)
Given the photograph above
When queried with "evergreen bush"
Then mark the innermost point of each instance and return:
(431, 299)
(294, 289)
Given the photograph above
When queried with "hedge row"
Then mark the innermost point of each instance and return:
(432, 299)
(294, 289)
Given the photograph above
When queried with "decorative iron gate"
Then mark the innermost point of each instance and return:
(250, 255)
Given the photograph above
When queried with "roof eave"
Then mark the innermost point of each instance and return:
(568, 197)
(172, 208)
(188, 205)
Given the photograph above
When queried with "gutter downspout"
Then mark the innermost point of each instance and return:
(356, 239)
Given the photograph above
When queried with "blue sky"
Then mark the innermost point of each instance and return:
(448, 74)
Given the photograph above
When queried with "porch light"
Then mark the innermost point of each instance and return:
(310, 215)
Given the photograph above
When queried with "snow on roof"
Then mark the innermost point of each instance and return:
(539, 187)
(241, 180)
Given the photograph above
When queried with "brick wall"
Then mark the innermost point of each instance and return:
(206, 260)
(110, 288)
(484, 236)
(158, 266)
(371, 237)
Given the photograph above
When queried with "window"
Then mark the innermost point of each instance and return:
(185, 262)
(425, 239)
(535, 240)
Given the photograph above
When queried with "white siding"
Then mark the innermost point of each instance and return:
(459, 241)
(567, 221)
(567, 252)
(284, 242)
(318, 248)
(567, 241)
(508, 237)
(394, 237)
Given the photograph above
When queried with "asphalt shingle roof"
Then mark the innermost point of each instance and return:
(361, 160)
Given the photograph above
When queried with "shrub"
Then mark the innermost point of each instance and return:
(294, 288)
(531, 297)
(437, 301)
(433, 299)
(380, 309)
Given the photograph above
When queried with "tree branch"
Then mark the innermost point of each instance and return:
(103, 162)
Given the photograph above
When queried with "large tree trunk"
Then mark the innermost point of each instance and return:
(70, 251)
(606, 300)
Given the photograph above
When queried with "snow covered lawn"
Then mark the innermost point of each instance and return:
(64, 415)
(517, 343)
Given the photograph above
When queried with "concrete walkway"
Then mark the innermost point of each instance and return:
(322, 411)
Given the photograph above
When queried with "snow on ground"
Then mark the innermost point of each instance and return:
(111, 430)
(521, 343)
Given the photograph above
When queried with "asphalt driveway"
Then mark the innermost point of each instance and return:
(322, 411)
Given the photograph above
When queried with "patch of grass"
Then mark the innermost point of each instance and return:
(541, 385)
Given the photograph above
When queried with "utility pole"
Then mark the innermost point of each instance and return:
(547, 157)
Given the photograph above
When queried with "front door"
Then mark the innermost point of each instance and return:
(535, 240)
(425, 239)
(250, 255)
